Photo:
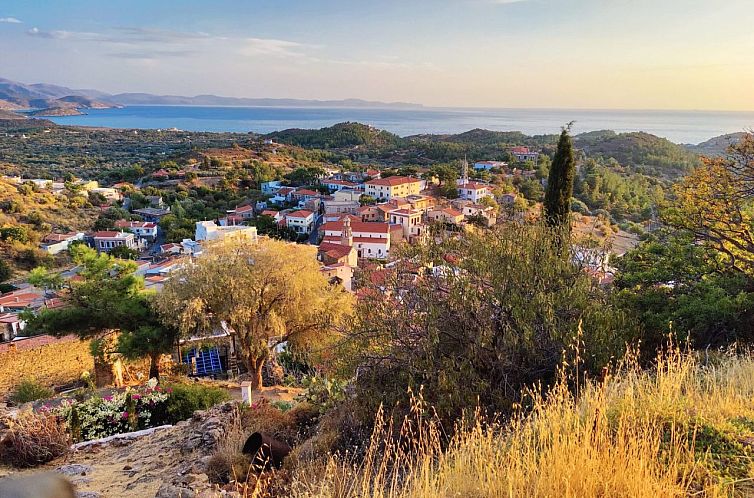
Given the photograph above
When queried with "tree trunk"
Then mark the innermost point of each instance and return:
(154, 366)
(255, 370)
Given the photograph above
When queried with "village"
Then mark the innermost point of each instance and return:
(356, 219)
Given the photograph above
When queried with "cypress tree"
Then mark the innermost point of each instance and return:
(557, 204)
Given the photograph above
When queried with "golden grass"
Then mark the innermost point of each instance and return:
(633, 434)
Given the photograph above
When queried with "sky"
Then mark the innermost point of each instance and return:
(588, 54)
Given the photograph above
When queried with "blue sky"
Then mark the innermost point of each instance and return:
(648, 54)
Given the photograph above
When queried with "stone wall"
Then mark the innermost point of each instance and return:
(53, 362)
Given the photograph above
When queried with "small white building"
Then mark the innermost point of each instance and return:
(58, 242)
(106, 241)
(300, 221)
(473, 191)
(142, 229)
(488, 165)
(523, 154)
(209, 231)
(271, 187)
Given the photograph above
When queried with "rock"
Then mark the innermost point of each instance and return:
(88, 494)
(74, 470)
(168, 490)
(127, 467)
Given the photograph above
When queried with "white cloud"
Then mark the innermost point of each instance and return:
(270, 46)
(10, 20)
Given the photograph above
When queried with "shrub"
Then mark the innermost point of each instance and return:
(33, 439)
(98, 417)
(187, 398)
(30, 390)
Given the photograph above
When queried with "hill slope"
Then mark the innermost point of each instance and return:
(642, 152)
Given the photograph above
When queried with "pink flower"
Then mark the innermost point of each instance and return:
(108, 398)
(135, 396)
(169, 390)
(124, 416)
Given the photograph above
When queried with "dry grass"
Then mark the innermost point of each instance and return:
(33, 439)
(680, 430)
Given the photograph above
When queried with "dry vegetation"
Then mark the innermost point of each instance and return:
(684, 429)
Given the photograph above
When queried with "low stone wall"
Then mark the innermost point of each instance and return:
(51, 361)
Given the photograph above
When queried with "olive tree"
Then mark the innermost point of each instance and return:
(268, 292)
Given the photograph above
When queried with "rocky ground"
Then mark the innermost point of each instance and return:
(167, 463)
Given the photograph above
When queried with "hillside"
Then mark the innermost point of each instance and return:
(480, 136)
(716, 146)
(642, 152)
(4, 114)
(340, 135)
(40, 96)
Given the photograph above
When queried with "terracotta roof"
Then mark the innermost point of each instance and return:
(393, 181)
(244, 209)
(59, 237)
(134, 224)
(405, 212)
(35, 342)
(285, 190)
(357, 226)
(302, 213)
(338, 182)
(19, 299)
(111, 234)
(9, 318)
(520, 150)
(305, 191)
(335, 250)
(270, 212)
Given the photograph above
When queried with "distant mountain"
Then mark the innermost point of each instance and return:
(15, 95)
(717, 146)
(214, 100)
(44, 96)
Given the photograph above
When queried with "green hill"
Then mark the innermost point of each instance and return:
(341, 135)
(640, 152)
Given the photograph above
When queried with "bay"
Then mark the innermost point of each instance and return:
(677, 126)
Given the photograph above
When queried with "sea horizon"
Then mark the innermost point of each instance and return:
(679, 126)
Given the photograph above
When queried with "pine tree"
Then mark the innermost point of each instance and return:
(557, 203)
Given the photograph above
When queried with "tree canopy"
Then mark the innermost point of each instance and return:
(268, 293)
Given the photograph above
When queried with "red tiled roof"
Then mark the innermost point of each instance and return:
(134, 224)
(338, 182)
(357, 226)
(302, 213)
(520, 150)
(106, 234)
(305, 191)
(59, 237)
(36, 342)
(19, 298)
(244, 209)
(335, 250)
(393, 181)
(270, 212)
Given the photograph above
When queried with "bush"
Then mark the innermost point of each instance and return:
(127, 411)
(187, 398)
(33, 439)
(30, 390)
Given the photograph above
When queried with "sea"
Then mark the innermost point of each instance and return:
(688, 127)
